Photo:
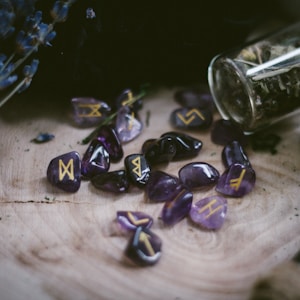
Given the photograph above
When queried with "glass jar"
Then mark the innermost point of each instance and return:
(258, 84)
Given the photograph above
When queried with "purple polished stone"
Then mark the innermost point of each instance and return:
(64, 172)
(195, 97)
(191, 118)
(147, 143)
(225, 131)
(178, 208)
(95, 160)
(209, 212)
(237, 181)
(127, 126)
(138, 169)
(109, 138)
(186, 145)
(161, 186)
(198, 175)
(89, 112)
(144, 248)
(126, 97)
(162, 150)
(234, 152)
(131, 220)
(115, 181)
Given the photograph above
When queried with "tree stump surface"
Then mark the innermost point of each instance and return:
(56, 245)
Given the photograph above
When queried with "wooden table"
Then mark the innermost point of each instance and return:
(55, 245)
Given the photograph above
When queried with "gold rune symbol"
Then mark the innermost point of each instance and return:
(137, 163)
(208, 207)
(128, 100)
(131, 121)
(64, 170)
(94, 110)
(190, 116)
(135, 221)
(144, 238)
(236, 182)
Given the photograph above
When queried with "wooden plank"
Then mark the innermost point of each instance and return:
(55, 245)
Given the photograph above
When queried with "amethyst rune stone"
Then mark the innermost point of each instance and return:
(161, 150)
(191, 118)
(110, 140)
(138, 169)
(144, 248)
(115, 181)
(225, 131)
(161, 186)
(126, 99)
(89, 112)
(128, 126)
(195, 97)
(237, 181)
(64, 172)
(209, 212)
(131, 220)
(234, 152)
(178, 208)
(95, 160)
(198, 175)
(186, 145)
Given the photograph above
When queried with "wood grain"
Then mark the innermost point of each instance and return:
(55, 245)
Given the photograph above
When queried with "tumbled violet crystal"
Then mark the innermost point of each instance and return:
(114, 181)
(186, 145)
(126, 99)
(198, 175)
(209, 212)
(161, 186)
(144, 247)
(237, 180)
(138, 169)
(95, 160)
(225, 131)
(89, 112)
(109, 138)
(127, 125)
(161, 150)
(178, 208)
(195, 97)
(234, 152)
(131, 220)
(191, 118)
(64, 172)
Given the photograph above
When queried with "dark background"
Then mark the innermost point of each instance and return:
(129, 43)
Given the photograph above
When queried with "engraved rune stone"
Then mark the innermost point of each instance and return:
(131, 220)
(64, 172)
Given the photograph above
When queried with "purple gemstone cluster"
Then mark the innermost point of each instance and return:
(176, 192)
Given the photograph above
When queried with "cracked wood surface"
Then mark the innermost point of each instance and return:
(56, 245)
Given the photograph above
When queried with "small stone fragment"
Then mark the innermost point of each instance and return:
(191, 118)
(178, 208)
(138, 169)
(162, 150)
(209, 212)
(127, 126)
(109, 138)
(186, 145)
(197, 175)
(114, 181)
(144, 248)
(95, 160)
(64, 172)
(234, 152)
(131, 220)
(161, 186)
(43, 138)
(237, 181)
(89, 112)
(225, 131)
